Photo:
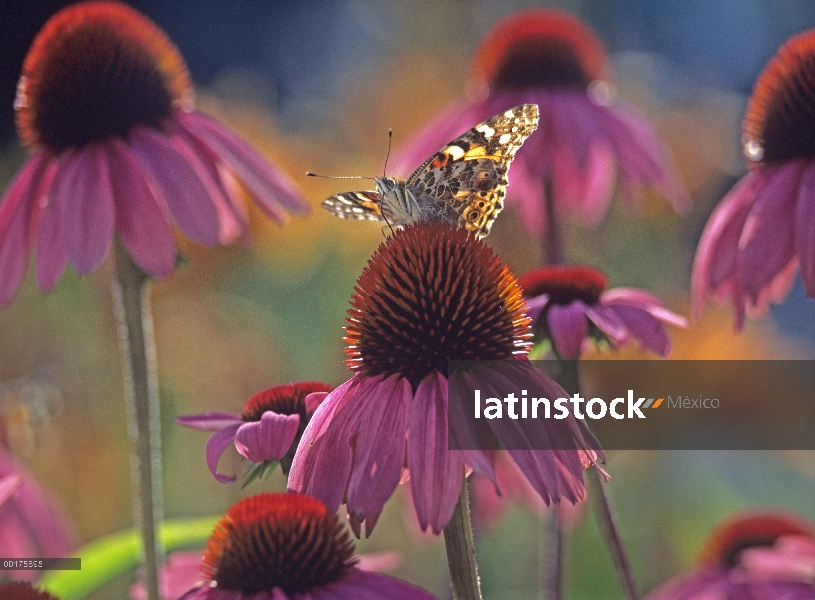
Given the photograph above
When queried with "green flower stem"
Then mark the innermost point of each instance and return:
(607, 519)
(553, 243)
(551, 555)
(458, 541)
(598, 496)
(137, 344)
(107, 558)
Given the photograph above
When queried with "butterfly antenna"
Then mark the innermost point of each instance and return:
(387, 156)
(310, 174)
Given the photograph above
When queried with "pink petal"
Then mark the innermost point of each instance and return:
(85, 197)
(645, 328)
(267, 439)
(8, 486)
(595, 186)
(178, 185)
(322, 463)
(216, 445)
(380, 445)
(212, 421)
(380, 562)
(363, 585)
(715, 261)
(607, 321)
(232, 215)
(568, 328)
(16, 208)
(51, 257)
(766, 244)
(313, 402)
(141, 221)
(273, 190)
(805, 227)
(436, 473)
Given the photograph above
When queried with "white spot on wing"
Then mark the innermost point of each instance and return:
(455, 152)
(486, 130)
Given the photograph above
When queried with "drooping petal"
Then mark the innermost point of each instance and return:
(141, 221)
(322, 463)
(645, 328)
(267, 439)
(607, 321)
(380, 445)
(232, 215)
(547, 452)
(85, 195)
(216, 445)
(715, 262)
(313, 402)
(805, 227)
(364, 585)
(273, 190)
(16, 207)
(212, 421)
(436, 473)
(178, 185)
(766, 243)
(50, 241)
(481, 461)
(568, 327)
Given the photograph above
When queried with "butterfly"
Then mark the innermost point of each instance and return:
(462, 184)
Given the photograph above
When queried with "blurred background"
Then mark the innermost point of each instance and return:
(316, 86)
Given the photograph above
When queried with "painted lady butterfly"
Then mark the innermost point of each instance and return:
(463, 184)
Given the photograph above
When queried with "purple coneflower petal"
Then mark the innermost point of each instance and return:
(232, 216)
(380, 445)
(50, 241)
(568, 327)
(8, 486)
(216, 445)
(362, 585)
(436, 473)
(607, 321)
(16, 208)
(805, 227)
(766, 243)
(85, 195)
(178, 184)
(313, 402)
(270, 187)
(625, 296)
(322, 463)
(715, 261)
(646, 329)
(267, 439)
(140, 220)
(212, 421)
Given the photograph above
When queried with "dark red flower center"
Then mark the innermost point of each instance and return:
(728, 540)
(288, 541)
(287, 399)
(780, 120)
(431, 294)
(23, 591)
(539, 48)
(96, 70)
(564, 284)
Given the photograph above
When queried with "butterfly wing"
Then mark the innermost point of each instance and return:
(355, 206)
(465, 182)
